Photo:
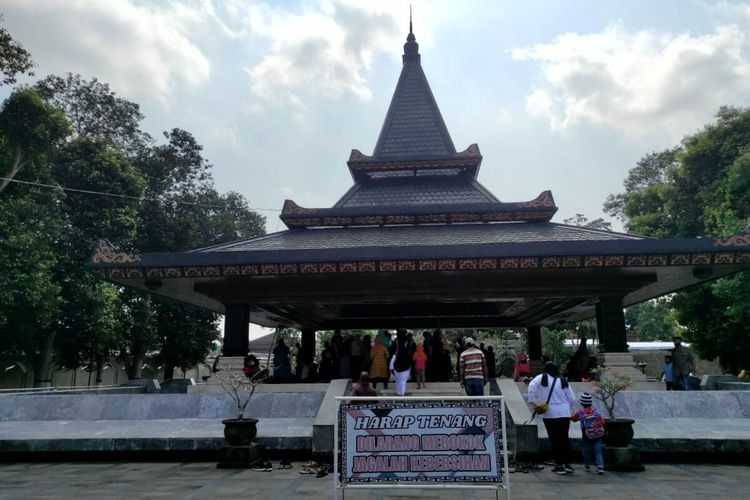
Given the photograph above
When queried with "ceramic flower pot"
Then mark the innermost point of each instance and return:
(240, 432)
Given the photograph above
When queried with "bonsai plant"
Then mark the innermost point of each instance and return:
(606, 386)
(240, 430)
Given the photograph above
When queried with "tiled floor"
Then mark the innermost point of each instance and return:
(202, 480)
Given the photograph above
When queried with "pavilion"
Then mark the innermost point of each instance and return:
(418, 242)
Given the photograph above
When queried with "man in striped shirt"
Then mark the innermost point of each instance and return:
(472, 369)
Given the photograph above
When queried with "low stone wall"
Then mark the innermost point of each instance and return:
(149, 422)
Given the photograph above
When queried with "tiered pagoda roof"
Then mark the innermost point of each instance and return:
(415, 175)
(428, 245)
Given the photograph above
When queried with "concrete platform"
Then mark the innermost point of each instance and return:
(689, 423)
(150, 422)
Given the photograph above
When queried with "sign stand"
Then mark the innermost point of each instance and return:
(342, 486)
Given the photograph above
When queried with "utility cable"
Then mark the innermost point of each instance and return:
(138, 198)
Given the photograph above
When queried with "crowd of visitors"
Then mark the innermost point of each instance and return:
(430, 357)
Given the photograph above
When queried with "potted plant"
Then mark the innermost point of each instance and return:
(606, 387)
(239, 431)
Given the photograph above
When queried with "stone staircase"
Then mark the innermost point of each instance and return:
(431, 389)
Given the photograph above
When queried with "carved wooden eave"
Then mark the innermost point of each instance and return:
(106, 253)
(467, 161)
(540, 209)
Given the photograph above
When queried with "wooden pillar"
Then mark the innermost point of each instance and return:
(236, 330)
(610, 325)
(534, 339)
(307, 345)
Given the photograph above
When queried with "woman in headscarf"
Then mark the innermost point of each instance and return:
(379, 363)
(551, 390)
(282, 368)
(401, 363)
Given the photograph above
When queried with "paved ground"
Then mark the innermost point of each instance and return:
(202, 480)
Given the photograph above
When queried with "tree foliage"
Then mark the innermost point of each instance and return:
(29, 129)
(652, 320)
(14, 59)
(581, 220)
(113, 182)
(95, 112)
(701, 188)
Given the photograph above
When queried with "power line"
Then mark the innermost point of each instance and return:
(138, 198)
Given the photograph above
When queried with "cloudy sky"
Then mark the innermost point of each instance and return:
(564, 96)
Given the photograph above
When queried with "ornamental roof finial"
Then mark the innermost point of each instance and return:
(411, 47)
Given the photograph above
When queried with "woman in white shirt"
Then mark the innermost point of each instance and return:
(550, 386)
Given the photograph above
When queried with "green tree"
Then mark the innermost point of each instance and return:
(14, 59)
(652, 320)
(95, 112)
(29, 129)
(699, 189)
(184, 211)
(583, 221)
(29, 295)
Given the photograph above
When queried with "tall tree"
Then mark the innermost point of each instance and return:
(14, 59)
(651, 320)
(701, 188)
(581, 220)
(184, 211)
(29, 129)
(95, 112)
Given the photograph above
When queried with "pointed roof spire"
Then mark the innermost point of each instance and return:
(411, 47)
(414, 135)
(411, 31)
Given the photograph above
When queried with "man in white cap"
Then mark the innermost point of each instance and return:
(472, 369)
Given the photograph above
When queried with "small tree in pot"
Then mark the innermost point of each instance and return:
(239, 431)
(606, 387)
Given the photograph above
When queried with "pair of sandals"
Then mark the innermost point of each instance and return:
(263, 467)
(320, 470)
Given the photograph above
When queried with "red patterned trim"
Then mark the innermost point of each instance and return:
(593, 261)
(327, 267)
(407, 265)
(487, 264)
(288, 269)
(701, 258)
(571, 261)
(446, 265)
(509, 263)
(348, 267)
(367, 267)
(467, 264)
(548, 262)
(428, 265)
(614, 260)
(680, 259)
(309, 268)
(463, 264)
(529, 263)
(269, 269)
(388, 266)
(231, 270)
(211, 271)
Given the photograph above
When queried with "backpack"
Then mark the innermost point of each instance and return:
(591, 424)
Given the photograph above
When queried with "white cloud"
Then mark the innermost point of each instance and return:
(138, 48)
(640, 83)
(326, 48)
